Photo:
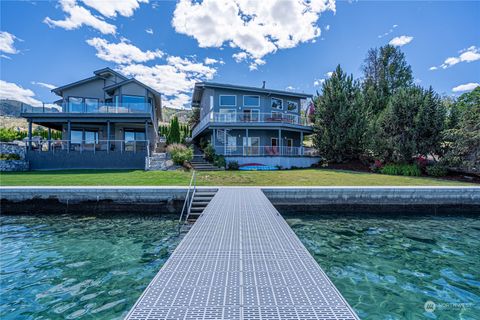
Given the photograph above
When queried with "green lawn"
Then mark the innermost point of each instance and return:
(307, 177)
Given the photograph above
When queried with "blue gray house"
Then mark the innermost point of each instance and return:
(108, 121)
(253, 125)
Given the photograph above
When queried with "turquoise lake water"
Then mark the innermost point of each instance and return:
(86, 267)
(388, 268)
(79, 267)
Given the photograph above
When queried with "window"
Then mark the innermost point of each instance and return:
(75, 104)
(250, 115)
(91, 105)
(277, 103)
(134, 103)
(76, 136)
(91, 137)
(226, 115)
(251, 101)
(228, 101)
(292, 106)
(131, 135)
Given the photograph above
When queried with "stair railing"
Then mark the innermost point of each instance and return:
(187, 204)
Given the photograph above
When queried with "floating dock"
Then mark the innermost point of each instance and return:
(241, 260)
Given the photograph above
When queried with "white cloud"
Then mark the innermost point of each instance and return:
(209, 61)
(388, 32)
(466, 87)
(7, 43)
(12, 91)
(329, 74)
(290, 88)
(149, 30)
(78, 16)
(327, 27)
(45, 85)
(175, 80)
(318, 82)
(110, 8)
(466, 55)
(257, 62)
(401, 41)
(239, 57)
(4, 56)
(122, 52)
(256, 28)
(432, 68)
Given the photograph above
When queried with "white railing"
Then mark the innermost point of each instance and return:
(43, 145)
(266, 151)
(255, 117)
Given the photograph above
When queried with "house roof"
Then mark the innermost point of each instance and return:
(200, 85)
(98, 75)
(116, 85)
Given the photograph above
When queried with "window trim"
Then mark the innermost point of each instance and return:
(252, 105)
(226, 105)
(298, 106)
(271, 104)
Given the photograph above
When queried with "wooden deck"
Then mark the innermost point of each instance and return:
(241, 260)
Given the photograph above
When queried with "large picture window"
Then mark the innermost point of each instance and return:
(228, 101)
(75, 104)
(277, 103)
(251, 101)
(134, 103)
(91, 105)
(292, 106)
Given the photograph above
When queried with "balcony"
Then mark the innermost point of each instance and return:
(249, 118)
(266, 151)
(88, 108)
(93, 146)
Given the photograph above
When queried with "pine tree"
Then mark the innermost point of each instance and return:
(174, 132)
(340, 119)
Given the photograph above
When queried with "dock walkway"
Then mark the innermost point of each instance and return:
(241, 260)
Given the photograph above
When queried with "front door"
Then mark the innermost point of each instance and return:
(252, 146)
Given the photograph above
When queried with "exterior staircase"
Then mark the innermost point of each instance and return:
(201, 198)
(200, 164)
(156, 161)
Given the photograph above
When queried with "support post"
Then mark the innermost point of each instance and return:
(301, 143)
(69, 135)
(108, 136)
(29, 134)
(49, 138)
(146, 134)
(214, 138)
(246, 140)
(280, 142)
(224, 141)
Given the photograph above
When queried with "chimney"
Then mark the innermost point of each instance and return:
(263, 85)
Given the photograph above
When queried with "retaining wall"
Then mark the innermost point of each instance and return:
(286, 199)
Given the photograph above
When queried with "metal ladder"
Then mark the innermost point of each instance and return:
(195, 202)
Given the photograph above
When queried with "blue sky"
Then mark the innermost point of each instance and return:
(290, 44)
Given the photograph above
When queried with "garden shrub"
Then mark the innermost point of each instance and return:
(411, 170)
(203, 143)
(437, 171)
(233, 165)
(219, 161)
(9, 156)
(180, 153)
(209, 152)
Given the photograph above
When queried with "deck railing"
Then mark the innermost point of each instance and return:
(254, 117)
(103, 107)
(94, 146)
(266, 151)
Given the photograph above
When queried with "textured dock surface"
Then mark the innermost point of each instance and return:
(241, 260)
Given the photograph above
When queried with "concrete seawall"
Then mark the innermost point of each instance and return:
(306, 199)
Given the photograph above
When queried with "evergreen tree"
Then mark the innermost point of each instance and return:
(340, 119)
(174, 132)
(385, 70)
(395, 129)
(429, 124)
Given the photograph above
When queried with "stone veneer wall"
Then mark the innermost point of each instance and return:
(13, 165)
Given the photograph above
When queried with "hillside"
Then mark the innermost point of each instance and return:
(182, 114)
